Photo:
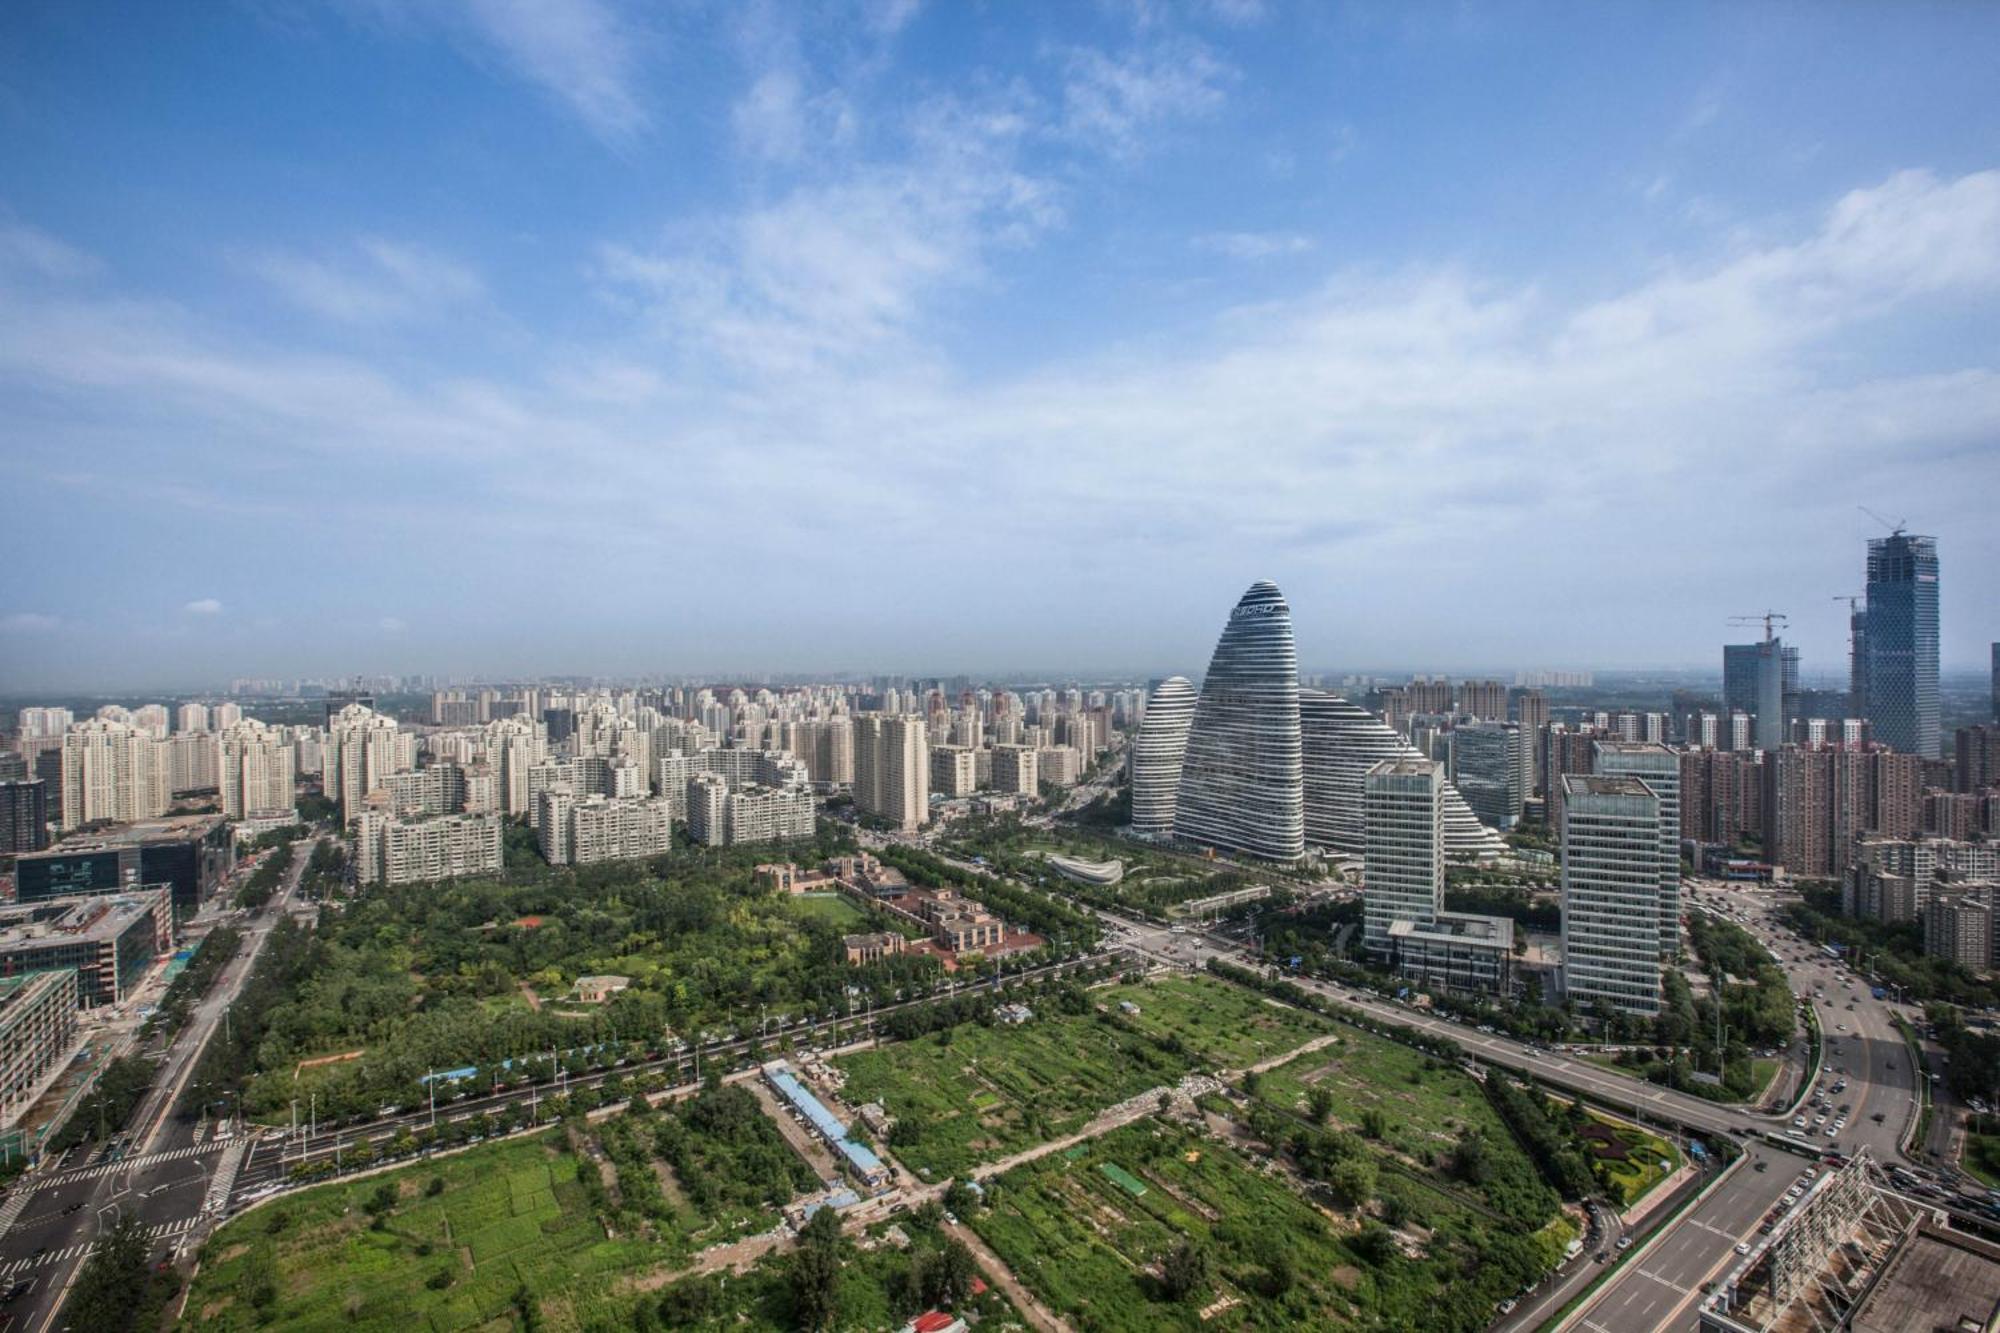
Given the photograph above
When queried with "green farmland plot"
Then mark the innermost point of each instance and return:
(1072, 1227)
(1218, 1025)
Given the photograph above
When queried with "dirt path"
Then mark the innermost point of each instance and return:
(1317, 1043)
(1038, 1315)
(528, 994)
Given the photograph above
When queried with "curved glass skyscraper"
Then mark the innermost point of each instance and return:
(1341, 742)
(1242, 781)
(1156, 756)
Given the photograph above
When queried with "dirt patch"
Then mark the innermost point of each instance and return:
(214, 1308)
(233, 1252)
(1347, 1277)
(670, 1184)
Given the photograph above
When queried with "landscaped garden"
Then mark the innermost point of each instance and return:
(1632, 1160)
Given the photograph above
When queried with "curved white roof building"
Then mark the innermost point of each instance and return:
(1341, 742)
(1155, 762)
(1242, 785)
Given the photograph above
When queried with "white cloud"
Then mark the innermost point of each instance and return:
(1254, 244)
(385, 283)
(1120, 103)
(25, 247)
(392, 624)
(580, 52)
(29, 622)
(203, 606)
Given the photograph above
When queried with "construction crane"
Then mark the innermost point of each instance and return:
(1767, 619)
(1895, 529)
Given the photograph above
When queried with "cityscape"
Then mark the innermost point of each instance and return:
(900, 667)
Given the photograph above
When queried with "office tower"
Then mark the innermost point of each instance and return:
(255, 770)
(1486, 769)
(1531, 710)
(363, 748)
(1975, 758)
(1611, 875)
(1761, 679)
(113, 771)
(1016, 770)
(1154, 762)
(1403, 865)
(1996, 683)
(14, 767)
(892, 769)
(1661, 769)
(1857, 658)
(1903, 643)
(24, 815)
(1242, 784)
(952, 771)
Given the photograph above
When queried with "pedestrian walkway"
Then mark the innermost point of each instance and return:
(10, 1211)
(163, 1231)
(138, 1163)
(224, 1179)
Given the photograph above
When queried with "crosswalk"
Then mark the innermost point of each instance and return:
(10, 1211)
(224, 1178)
(137, 1163)
(163, 1231)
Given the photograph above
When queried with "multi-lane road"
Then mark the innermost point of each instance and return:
(161, 1174)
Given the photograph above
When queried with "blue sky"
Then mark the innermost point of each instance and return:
(570, 335)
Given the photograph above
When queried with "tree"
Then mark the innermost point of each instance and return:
(1319, 1101)
(1353, 1178)
(112, 1284)
(1186, 1271)
(816, 1272)
(943, 1277)
(959, 1199)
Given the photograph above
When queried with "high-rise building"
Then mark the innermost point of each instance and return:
(24, 815)
(1611, 876)
(1996, 683)
(388, 850)
(1486, 768)
(1242, 779)
(38, 1034)
(593, 829)
(113, 771)
(1339, 742)
(1483, 699)
(1975, 758)
(1531, 710)
(1403, 866)
(952, 771)
(255, 770)
(1762, 680)
(1902, 700)
(191, 717)
(1154, 761)
(1959, 926)
(1661, 769)
(892, 769)
(363, 747)
(1015, 770)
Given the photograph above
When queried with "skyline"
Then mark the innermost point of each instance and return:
(521, 340)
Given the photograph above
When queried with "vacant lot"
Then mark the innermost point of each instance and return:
(1421, 1104)
(1218, 1025)
(1090, 1229)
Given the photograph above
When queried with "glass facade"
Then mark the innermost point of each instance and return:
(1902, 645)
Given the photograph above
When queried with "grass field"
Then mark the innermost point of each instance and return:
(508, 1217)
(1424, 1103)
(987, 1092)
(1982, 1158)
(1091, 1248)
(833, 907)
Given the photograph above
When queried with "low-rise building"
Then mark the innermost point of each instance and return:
(873, 948)
(190, 853)
(107, 941)
(38, 1035)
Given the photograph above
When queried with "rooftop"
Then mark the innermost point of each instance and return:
(173, 828)
(1938, 1279)
(63, 920)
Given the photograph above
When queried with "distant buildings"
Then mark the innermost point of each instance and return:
(363, 747)
(1015, 771)
(1488, 768)
(1762, 680)
(1611, 878)
(1901, 643)
(113, 771)
(1242, 779)
(256, 770)
(1340, 742)
(1404, 923)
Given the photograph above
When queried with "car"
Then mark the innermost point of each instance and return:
(1507, 1306)
(1762, 1165)
(1624, 1242)
(1743, 1247)
(1602, 1255)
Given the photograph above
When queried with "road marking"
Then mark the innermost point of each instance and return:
(160, 1231)
(125, 1164)
(1647, 1272)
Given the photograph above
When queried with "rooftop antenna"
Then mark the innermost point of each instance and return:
(1765, 618)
